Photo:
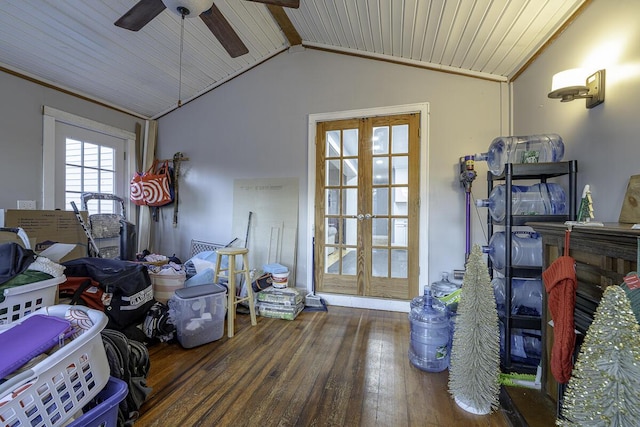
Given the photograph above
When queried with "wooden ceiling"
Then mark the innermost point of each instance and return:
(74, 44)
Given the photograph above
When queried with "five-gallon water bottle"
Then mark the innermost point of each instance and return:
(429, 344)
(522, 149)
(538, 199)
(526, 249)
(526, 296)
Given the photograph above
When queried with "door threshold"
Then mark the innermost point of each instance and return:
(402, 306)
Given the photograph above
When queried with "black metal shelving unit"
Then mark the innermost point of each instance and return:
(540, 172)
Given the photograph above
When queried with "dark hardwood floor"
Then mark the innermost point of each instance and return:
(344, 367)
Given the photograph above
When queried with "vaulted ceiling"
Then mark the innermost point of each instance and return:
(74, 44)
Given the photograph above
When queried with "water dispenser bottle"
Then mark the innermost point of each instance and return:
(429, 345)
(522, 149)
(526, 249)
(538, 199)
(526, 296)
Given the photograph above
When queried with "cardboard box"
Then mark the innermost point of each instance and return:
(45, 228)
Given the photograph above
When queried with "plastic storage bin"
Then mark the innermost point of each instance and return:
(165, 285)
(58, 387)
(198, 314)
(105, 413)
(24, 299)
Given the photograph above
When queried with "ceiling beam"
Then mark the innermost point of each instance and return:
(285, 24)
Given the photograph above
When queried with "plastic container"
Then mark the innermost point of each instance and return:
(22, 300)
(526, 249)
(105, 413)
(430, 337)
(526, 296)
(165, 285)
(198, 313)
(280, 280)
(522, 149)
(538, 199)
(55, 389)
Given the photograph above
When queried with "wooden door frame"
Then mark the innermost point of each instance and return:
(364, 302)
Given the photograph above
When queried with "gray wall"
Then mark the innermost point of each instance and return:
(21, 133)
(604, 140)
(255, 126)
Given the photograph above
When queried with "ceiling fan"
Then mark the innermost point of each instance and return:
(145, 10)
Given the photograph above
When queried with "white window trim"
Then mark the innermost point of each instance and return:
(50, 117)
(355, 301)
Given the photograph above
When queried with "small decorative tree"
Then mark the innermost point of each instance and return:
(475, 355)
(604, 384)
(585, 212)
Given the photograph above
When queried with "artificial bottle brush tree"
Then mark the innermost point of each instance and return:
(604, 384)
(474, 370)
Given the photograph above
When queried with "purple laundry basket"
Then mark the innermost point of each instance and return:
(105, 414)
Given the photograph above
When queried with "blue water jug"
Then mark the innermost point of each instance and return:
(430, 337)
(537, 199)
(526, 296)
(526, 249)
(522, 149)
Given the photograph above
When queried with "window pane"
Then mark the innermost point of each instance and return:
(380, 263)
(400, 136)
(90, 157)
(350, 201)
(350, 142)
(400, 170)
(73, 152)
(380, 230)
(332, 172)
(90, 181)
(380, 201)
(332, 201)
(73, 180)
(399, 263)
(107, 182)
(333, 144)
(381, 140)
(107, 158)
(380, 170)
(350, 231)
(350, 172)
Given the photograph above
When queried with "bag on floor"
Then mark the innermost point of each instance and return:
(127, 287)
(128, 361)
(82, 291)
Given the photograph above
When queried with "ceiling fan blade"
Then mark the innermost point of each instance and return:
(140, 14)
(223, 31)
(294, 4)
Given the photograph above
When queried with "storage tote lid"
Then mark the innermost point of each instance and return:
(199, 291)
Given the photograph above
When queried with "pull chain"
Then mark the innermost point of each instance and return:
(183, 12)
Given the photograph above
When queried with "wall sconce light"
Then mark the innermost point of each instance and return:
(570, 84)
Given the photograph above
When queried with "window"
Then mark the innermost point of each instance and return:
(89, 168)
(88, 157)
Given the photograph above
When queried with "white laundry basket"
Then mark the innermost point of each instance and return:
(55, 389)
(22, 300)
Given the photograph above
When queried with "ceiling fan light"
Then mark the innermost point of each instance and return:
(195, 7)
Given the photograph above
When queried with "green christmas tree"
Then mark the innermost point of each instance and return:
(604, 384)
(475, 354)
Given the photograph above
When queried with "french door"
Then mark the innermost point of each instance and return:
(367, 205)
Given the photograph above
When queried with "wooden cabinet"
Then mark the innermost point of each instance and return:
(603, 255)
